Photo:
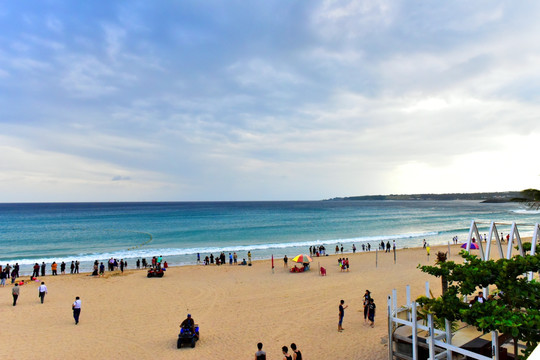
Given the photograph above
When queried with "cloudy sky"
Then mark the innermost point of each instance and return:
(266, 100)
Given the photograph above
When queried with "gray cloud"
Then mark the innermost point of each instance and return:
(121, 178)
(266, 101)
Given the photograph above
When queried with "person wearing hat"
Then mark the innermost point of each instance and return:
(188, 323)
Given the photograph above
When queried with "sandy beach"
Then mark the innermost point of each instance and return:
(133, 317)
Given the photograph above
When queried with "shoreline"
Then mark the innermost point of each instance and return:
(27, 271)
(132, 267)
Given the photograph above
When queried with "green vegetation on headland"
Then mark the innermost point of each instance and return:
(531, 197)
(488, 197)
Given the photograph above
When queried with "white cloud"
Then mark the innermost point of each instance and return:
(30, 65)
(54, 24)
(86, 76)
(352, 19)
(114, 38)
(43, 42)
(55, 176)
(262, 74)
(326, 99)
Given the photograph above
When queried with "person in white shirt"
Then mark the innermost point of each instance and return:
(76, 309)
(42, 291)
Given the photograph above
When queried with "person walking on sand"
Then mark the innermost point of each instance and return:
(13, 276)
(285, 259)
(297, 355)
(286, 355)
(371, 312)
(3, 277)
(42, 291)
(341, 314)
(76, 309)
(15, 292)
(260, 354)
(367, 296)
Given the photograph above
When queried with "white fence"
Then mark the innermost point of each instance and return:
(439, 343)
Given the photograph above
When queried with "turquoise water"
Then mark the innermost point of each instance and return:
(86, 232)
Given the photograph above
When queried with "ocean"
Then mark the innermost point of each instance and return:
(47, 232)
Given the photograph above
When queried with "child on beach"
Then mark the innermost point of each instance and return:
(371, 312)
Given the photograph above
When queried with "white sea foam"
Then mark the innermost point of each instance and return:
(167, 252)
(526, 211)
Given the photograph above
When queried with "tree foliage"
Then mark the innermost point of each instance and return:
(527, 246)
(531, 197)
(441, 258)
(515, 311)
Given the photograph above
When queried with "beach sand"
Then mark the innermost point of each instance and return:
(130, 316)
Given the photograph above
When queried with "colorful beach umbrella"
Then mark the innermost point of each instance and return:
(302, 258)
(473, 246)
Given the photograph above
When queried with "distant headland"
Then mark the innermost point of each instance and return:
(487, 197)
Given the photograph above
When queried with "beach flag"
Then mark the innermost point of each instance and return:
(272, 261)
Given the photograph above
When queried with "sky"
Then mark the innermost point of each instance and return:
(266, 100)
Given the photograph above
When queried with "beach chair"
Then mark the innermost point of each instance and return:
(323, 271)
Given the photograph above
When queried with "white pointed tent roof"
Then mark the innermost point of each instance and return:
(494, 233)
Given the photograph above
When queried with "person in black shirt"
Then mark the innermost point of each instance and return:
(286, 355)
(341, 314)
(479, 298)
(371, 312)
(367, 296)
(297, 355)
(188, 323)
